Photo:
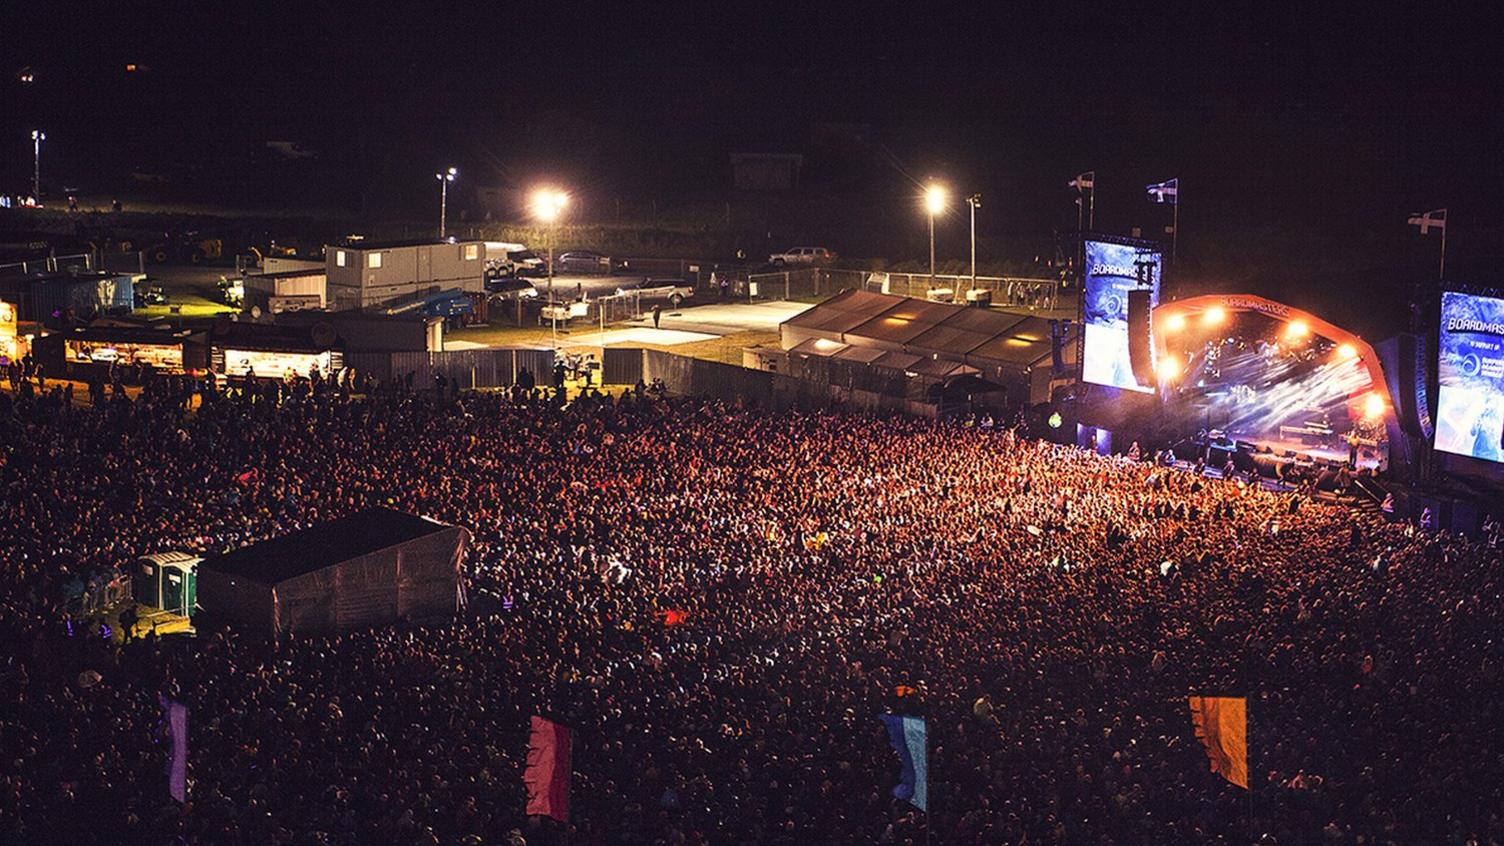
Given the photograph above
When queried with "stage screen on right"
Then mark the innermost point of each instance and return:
(1470, 405)
(1112, 270)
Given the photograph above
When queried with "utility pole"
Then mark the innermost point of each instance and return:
(975, 201)
(444, 178)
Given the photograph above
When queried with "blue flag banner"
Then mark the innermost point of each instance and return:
(911, 742)
(1167, 193)
(175, 716)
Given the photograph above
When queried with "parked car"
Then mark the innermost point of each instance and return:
(803, 255)
(674, 291)
(582, 261)
(527, 263)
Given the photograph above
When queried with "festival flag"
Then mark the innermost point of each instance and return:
(1222, 724)
(910, 740)
(175, 716)
(674, 617)
(1434, 219)
(548, 768)
(904, 690)
(1085, 181)
(1165, 193)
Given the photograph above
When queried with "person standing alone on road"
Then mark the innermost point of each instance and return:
(657, 315)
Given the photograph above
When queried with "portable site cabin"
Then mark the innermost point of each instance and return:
(168, 581)
(371, 568)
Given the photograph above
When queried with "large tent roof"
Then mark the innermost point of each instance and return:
(841, 313)
(977, 336)
(321, 546)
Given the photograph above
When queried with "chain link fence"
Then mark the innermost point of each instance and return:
(805, 283)
(1014, 292)
(614, 308)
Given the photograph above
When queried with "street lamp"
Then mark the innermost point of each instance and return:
(935, 200)
(975, 201)
(547, 205)
(37, 137)
(444, 178)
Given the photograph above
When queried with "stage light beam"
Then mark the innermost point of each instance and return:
(1175, 322)
(1345, 351)
(1214, 316)
(1373, 406)
(1297, 328)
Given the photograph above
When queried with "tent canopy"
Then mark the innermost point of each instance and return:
(324, 545)
(985, 338)
(371, 568)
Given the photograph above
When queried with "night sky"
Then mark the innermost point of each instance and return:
(1301, 139)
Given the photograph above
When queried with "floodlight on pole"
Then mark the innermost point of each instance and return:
(444, 177)
(935, 200)
(547, 205)
(37, 137)
(975, 201)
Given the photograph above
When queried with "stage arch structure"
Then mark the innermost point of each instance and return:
(1269, 374)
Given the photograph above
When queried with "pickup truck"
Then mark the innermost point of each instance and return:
(674, 291)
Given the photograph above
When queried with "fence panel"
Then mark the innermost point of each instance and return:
(1030, 293)
(621, 366)
(538, 362)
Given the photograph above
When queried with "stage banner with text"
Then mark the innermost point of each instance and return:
(1112, 270)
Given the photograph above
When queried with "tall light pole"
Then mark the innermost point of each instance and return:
(444, 178)
(975, 201)
(935, 200)
(548, 204)
(37, 137)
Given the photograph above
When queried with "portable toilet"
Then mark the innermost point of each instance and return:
(167, 580)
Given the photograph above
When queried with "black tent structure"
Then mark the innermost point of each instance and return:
(371, 568)
(936, 342)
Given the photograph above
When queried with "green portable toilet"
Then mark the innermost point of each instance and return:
(167, 580)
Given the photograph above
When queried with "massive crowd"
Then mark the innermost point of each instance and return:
(1046, 609)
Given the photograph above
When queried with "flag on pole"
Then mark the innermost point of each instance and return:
(1084, 181)
(1164, 192)
(1435, 219)
(175, 716)
(910, 741)
(1222, 724)
(548, 768)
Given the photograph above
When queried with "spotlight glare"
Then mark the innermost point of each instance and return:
(935, 199)
(1373, 406)
(1214, 315)
(1175, 322)
(1347, 351)
(1169, 369)
(1297, 328)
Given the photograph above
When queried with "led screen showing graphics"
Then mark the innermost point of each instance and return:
(1470, 404)
(1112, 270)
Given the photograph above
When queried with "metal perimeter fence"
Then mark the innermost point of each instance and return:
(134, 262)
(1039, 294)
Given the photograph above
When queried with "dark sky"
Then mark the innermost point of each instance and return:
(1323, 121)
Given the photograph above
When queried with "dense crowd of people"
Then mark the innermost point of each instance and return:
(1046, 609)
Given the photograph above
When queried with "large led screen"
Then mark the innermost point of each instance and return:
(1470, 406)
(1112, 270)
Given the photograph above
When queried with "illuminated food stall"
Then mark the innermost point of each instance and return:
(83, 351)
(274, 350)
(12, 345)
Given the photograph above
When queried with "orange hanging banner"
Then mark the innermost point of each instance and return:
(1222, 724)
